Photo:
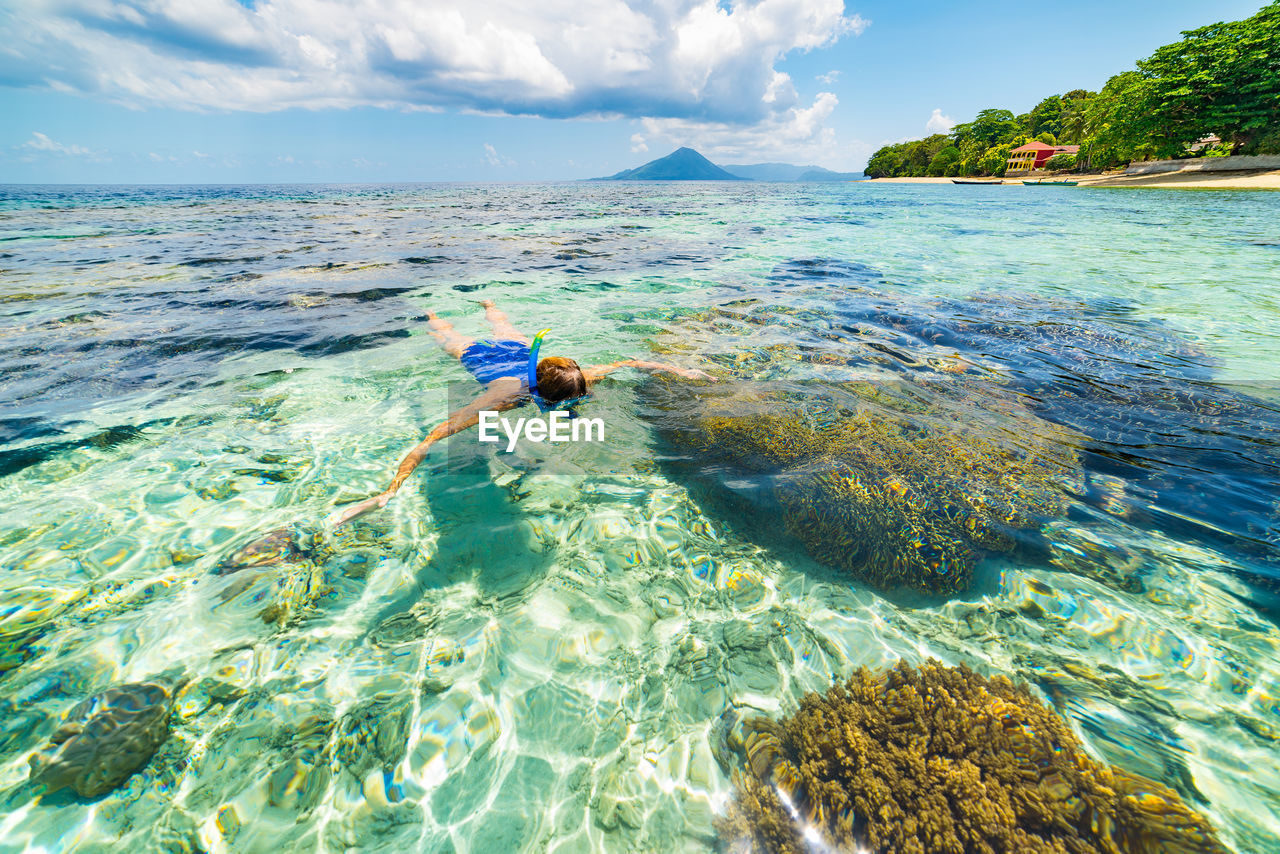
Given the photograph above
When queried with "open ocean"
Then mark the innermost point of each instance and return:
(535, 651)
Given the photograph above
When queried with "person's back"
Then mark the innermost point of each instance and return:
(512, 374)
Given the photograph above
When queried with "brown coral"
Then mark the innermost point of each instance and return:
(895, 498)
(899, 467)
(106, 738)
(292, 559)
(939, 760)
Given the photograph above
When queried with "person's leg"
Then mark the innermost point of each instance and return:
(453, 341)
(502, 327)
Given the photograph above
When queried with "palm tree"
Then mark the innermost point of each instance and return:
(1073, 122)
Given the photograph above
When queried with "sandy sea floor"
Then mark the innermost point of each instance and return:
(536, 651)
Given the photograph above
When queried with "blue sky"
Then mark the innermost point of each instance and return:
(504, 90)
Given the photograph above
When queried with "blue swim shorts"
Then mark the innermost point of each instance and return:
(491, 360)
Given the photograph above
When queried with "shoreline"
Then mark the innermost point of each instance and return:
(1252, 180)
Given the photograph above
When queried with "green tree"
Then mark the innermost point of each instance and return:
(920, 154)
(1120, 123)
(884, 163)
(1223, 78)
(906, 159)
(944, 160)
(1071, 123)
(1267, 143)
(995, 160)
(990, 127)
(1045, 117)
(970, 156)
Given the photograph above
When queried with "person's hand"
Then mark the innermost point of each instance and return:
(695, 374)
(377, 502)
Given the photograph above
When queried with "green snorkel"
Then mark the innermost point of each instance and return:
(533, 366)
(544, 405)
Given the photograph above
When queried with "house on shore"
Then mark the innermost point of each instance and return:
(1033, 156)
(1203, 143)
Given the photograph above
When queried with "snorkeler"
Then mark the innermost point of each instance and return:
(509, 369)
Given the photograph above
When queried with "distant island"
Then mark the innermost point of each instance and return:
(685, 164)
(788, 172)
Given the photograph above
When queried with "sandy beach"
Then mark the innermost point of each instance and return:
(1177, 180)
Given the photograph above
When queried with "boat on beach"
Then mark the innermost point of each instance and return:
(975, 181)
(1044, 183)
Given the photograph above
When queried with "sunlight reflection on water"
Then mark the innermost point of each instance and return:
(514, 659)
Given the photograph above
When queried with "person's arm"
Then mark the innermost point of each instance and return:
(595, 372)
(498, 397)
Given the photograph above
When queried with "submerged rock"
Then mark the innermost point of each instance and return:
(1202, 457)
(897, 497)
(939, 760)
(298, 780)
(373, 735)
(106, 738)
(290, 560)
(281, 545)
(27, 613)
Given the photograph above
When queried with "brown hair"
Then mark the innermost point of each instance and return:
(560, 379)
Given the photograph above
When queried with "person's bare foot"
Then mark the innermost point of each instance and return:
(488, 303)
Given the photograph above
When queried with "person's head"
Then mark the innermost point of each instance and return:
(560, 379)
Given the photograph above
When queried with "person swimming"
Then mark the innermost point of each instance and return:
(512, 375)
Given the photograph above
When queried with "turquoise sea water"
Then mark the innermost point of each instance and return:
(533, 652)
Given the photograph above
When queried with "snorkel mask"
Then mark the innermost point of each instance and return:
(544, 405)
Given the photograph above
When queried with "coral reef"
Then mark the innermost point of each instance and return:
(896, 498)
(106, 738)
(26, 614)
(1106, 379)
(292, 561)
(280, 545)
(374, 734)
(939, 760)
(1119, 382)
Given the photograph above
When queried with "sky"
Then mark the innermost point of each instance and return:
(247, 91)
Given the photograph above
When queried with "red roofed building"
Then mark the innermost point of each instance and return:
(1034, 155)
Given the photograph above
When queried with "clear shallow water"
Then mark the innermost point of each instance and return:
(547, 641)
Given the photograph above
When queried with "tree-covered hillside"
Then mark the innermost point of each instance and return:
(1222, 79)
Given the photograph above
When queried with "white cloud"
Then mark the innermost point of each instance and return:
(638, 143)
(829, 78)
(493, 158)
(682, 59)
(797, 135)
(938, 123)
(41, 143)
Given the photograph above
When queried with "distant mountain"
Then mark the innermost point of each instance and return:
(788, 172)
(683, 164)
(827, 175)
(769, 171)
